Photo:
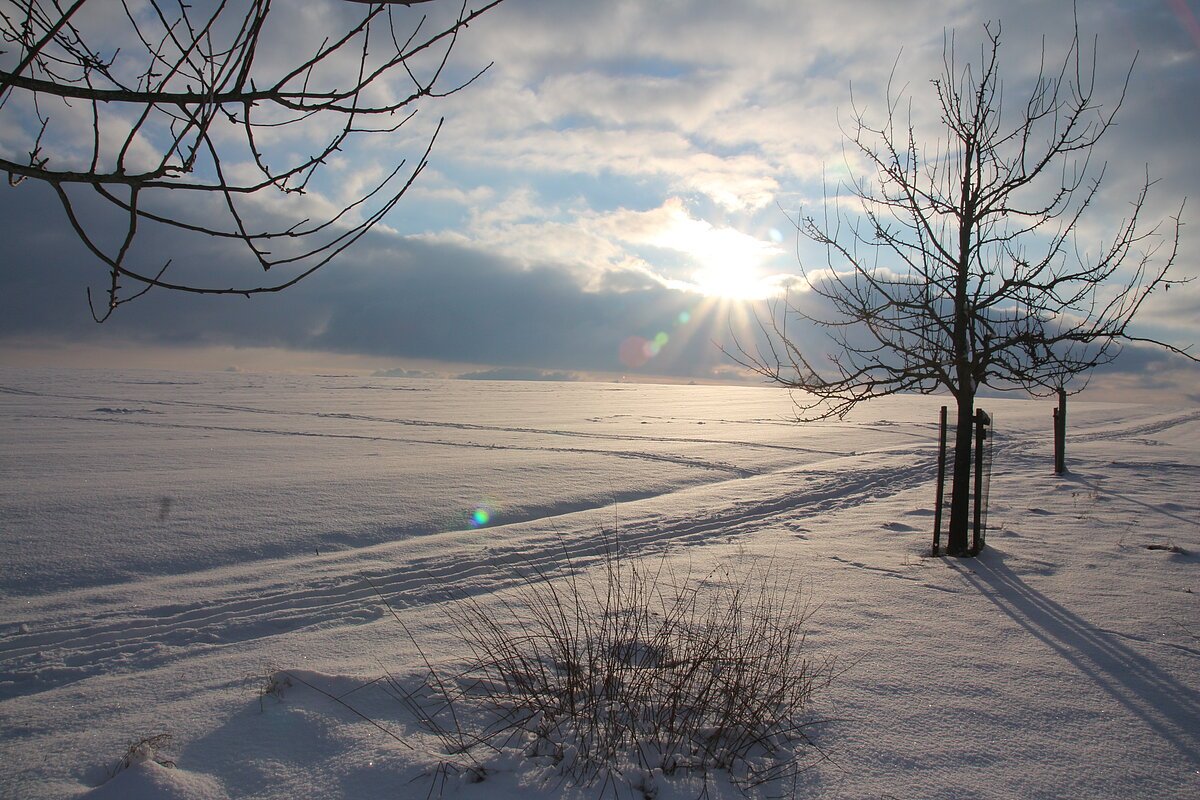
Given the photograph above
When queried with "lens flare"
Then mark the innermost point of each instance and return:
(480, 517)
(655, 345)
(634, 352)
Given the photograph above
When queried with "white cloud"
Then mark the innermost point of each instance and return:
(628, 146)
(667, 245)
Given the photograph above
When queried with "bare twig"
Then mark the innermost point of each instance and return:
(189, 103)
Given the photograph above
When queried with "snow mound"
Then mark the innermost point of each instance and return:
(149, 780)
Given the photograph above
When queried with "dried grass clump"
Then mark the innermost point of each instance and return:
(631, 676)
(149, 748)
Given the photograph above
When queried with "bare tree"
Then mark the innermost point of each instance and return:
(959, 264)
(153, 110)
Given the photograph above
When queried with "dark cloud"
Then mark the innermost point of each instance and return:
(402, 297)
(1147, 360)
(388, 296)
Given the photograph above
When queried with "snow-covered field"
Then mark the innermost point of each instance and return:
(171, 540)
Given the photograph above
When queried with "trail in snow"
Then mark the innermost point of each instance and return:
(627, 454)
(60, 651)
(57, 651)
(418, 423)
(1069, 641)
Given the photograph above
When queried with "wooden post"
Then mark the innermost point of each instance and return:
(941, 485)
(1057, 452)
(1060, 433)
(981, 432)
(958, 537)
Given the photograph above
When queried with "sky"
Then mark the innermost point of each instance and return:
(614, 197)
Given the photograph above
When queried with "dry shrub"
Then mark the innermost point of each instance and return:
(630, 676)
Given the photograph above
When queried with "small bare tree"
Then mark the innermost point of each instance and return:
(959, 264)
(130, 106)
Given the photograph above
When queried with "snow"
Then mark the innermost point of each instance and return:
(217, 557)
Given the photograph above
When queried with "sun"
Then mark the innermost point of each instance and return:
(733, 281)
(730, 264)
(722, 262)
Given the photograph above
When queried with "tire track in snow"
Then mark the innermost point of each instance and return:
(419, 423)
(685, 461)
(1157, 426)
(236, 606)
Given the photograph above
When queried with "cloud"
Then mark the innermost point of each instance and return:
(667, 245)
(614, 153)
(388, 297)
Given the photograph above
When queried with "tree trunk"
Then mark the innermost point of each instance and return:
(960, 493)
(960, 498)
(1060, 433)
